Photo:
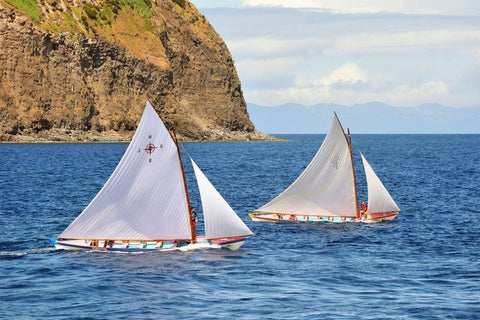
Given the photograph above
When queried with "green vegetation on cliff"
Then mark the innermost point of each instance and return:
(127, 22)
(29, 7)
(84, 68)
(89, 18)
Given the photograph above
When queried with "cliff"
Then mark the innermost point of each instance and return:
(81, 70)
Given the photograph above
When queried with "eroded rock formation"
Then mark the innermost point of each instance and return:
(73, 74)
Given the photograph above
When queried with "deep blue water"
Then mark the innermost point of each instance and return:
(423, 265)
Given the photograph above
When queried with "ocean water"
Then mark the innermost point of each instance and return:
(423, 265)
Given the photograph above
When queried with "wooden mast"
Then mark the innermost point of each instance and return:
(174, 137)
(353, 172)
(192, 226)
(349, 143)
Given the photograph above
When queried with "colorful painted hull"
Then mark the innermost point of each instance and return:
(379, 217)
(369, 218)
(232, 243)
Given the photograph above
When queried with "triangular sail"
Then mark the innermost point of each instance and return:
(326, 186)
(145, 197)
(379, 200)
(220, 219)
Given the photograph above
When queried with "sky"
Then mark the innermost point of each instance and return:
(402, 53)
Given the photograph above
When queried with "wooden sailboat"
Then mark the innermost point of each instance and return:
(326, 190)
(144, 206)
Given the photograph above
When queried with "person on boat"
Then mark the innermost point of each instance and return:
(363, 212)
(364, 206)
(194, 217)
(107, 243)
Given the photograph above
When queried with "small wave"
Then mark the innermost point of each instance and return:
(20, 253)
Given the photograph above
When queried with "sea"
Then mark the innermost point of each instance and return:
(423, 265)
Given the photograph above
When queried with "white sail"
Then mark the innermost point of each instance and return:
(145, 197)
(326, 187)
(379, 200)
(220, 219)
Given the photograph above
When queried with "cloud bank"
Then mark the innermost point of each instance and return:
(403, 53)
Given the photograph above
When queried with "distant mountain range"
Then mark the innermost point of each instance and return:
(372, 117)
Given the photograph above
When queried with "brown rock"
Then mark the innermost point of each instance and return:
(89, 78)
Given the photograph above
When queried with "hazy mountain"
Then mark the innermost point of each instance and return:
(372, 117)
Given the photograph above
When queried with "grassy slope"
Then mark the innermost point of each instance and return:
(28, 7)
(127, 22)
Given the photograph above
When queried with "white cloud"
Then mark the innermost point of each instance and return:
(431, 88)
(308, 57)
(267, 72)
(349, 38)
(401, 95)
(432, 91)
(259, 47)
(435, 7)
(379, 42)
(338, 6)
(347, 73)
(324, 89)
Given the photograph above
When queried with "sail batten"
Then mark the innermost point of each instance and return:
(220, 219)
(326, 186)
(144, 198)
(379, 199)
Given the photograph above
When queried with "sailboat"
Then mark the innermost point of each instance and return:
(144, 206)
(327, 190)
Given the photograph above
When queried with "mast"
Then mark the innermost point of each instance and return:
(174, 138)
(192, 227)
(353, 172)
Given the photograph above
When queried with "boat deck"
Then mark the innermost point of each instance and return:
(201, 242)
(368, 218)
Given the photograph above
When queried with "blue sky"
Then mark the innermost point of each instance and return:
(401, 52)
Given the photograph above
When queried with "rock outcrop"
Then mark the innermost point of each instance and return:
(82, 71)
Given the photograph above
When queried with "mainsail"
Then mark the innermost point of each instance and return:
(145, 197)
(220, 219)
(379, 199)
(326, 187)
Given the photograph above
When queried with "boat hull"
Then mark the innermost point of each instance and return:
(298, 218)
(232, 243)
(379, 217)
(370, 218)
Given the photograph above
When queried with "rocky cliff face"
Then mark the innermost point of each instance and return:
(82, 70)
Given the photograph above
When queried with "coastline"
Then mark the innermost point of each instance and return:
(76, 136)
